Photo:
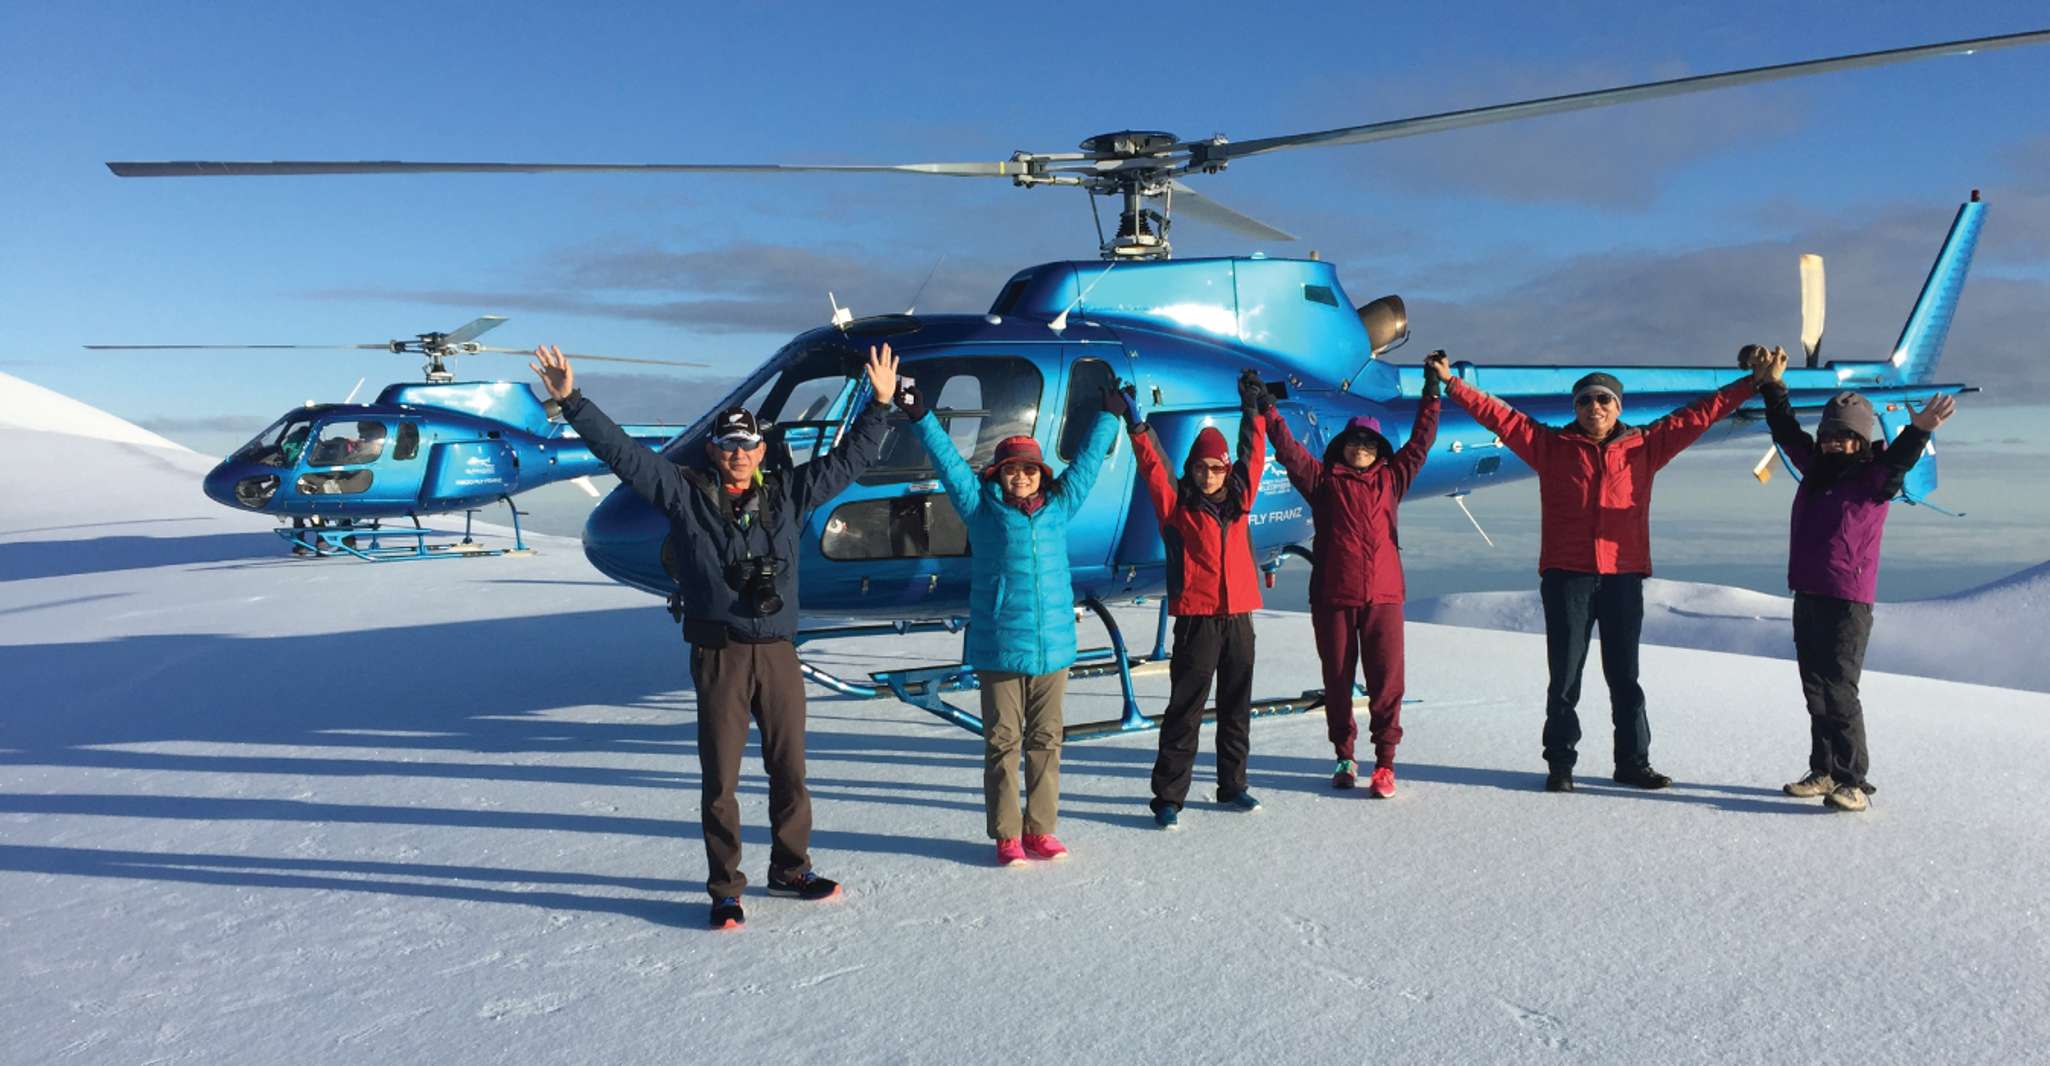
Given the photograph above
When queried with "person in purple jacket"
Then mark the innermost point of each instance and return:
(1848, 476)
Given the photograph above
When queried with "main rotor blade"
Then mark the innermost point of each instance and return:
(475, 328)
(232, 347)
(1552, 105)
(588, 358)
(1193, 204)
(208, 169)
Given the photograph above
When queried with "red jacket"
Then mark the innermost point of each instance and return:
(1358, 560)
(1596, 495)
(1210, 567)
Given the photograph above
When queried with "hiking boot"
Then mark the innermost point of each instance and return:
(1342, 777)
(1168, 818)
(1242, 801)
(1846, 798)
(1811, 786)
(1560, 779)
(1642, 777)
(726, 913)
(1010, 852)
(1382, 784)
(1045, 846)
(806, 886)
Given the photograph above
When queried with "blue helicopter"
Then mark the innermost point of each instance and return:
(338, 471)
(888, 556)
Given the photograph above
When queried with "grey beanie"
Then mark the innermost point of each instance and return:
(1849, 414)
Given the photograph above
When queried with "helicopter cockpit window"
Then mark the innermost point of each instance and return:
(347, 443)
(917, 526)
(1087, 383)
(980, 399)
(409, 442)
(279, 444)
(808, 390)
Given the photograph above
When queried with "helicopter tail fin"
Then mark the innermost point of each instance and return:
(1914, 357)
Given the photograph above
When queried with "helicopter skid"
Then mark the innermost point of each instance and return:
(369, 544)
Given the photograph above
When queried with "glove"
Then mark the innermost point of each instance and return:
(1253, 392)
(1433, 386)
(910, 400)
(1119, 403)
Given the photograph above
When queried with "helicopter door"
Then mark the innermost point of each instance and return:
(338, 459)
(1094, 530)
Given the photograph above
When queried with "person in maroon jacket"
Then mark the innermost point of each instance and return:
(1594, 487)
(1848, 476)
(1356, 587)
(1212, 590)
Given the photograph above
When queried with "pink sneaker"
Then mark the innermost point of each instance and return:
(1382, 784)
(1045, 846)
(1010, 853)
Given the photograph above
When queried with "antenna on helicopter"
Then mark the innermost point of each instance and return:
(842, 316)
(1060, 321)
(912, 308)
(351, 397)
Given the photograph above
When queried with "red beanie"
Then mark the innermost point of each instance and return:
(1209, 445)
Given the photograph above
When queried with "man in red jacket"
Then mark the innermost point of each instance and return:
(1594, 484)
(1356, 587)
(1212, 590)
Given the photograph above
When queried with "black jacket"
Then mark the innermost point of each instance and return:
(705, 543)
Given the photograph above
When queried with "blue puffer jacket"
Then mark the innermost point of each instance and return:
(1021, 604)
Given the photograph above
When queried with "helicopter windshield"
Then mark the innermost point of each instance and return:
(278, 445)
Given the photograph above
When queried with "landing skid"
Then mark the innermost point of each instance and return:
(367, 542)
(926, 687)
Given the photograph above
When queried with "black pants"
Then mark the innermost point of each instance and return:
(737, 682)
(1575, 604)
(1829, 644)
(1220, 647)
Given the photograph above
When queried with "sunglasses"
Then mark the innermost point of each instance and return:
(1591, 399)
(734, 444)
(1211, 468)
(1016, 470)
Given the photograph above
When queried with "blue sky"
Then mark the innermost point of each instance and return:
(1655, 232)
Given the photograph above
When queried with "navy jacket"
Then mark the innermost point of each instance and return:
(705, 542)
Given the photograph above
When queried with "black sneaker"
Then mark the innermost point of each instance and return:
(1559, 780)
(806, 886)
(1642, 777)
(726, 913)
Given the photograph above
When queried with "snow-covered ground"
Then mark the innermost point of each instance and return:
(256, 809)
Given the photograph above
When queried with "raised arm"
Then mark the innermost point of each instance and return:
(1072, 487)
(1304, 471)
(824, 476)
(653, 477)
(954, 476)
(1520, 433)
(1793, 441)
(1254, 405)
(1669, 436)
(1907, 448)
(1423, 432)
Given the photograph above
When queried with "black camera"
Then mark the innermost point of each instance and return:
(755, 580)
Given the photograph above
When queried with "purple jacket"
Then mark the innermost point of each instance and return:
(1840, 508)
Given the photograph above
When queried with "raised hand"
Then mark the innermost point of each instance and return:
(1936, 411)
(554, 368)
(1771, 366)
(1253, 392)
(882, 373)
(1118, 401)
(1438, 365)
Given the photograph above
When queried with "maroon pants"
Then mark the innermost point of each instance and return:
(1369, 640)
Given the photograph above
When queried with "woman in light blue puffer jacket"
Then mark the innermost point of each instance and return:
(1021, 616)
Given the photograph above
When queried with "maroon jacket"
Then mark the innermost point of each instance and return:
(1840, 508)
(1357, 557)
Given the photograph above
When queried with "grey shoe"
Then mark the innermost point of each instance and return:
(1846, 798)
(1811, 786)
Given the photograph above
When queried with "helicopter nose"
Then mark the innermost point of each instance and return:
(246, 486)
(623, 538)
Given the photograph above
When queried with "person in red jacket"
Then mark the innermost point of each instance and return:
(1212, 590)
(1594, 486)
(1356, 587)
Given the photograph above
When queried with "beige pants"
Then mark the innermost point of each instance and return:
(1021, 708)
